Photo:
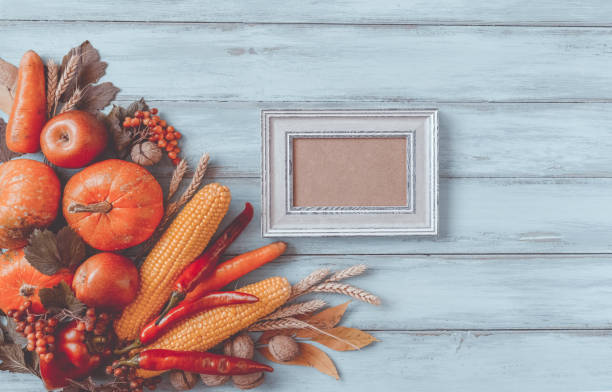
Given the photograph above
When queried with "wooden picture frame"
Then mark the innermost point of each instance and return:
(418, 215)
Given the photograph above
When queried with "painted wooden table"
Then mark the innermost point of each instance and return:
(515, 293)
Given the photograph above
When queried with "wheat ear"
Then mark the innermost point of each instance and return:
(52, 74)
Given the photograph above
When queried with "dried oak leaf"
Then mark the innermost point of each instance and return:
(61, 297)
(5, 153)
(310, 356)
(13, 359)
(42, 252)
(97, 97)
(352, 335)
(70, 246)
(90, 68)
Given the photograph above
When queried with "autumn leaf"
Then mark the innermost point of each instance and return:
(61, 297)
(70, 246)
(11, 335)
(310, 356)
(49, 252)
(42, 252)
(5, 153)
(97, 97)
(13, 359)
(90, 68)
(354, 336)
(329, 317)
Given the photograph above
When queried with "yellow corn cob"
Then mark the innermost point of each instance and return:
(209, 328)
(182, 242)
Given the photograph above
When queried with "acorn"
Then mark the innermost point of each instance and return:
(213, 381)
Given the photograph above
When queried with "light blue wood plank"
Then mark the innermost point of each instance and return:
(467, 292)
(437, 361)
(591, 12)
(476, 140)
(335, 62)
(476, 216)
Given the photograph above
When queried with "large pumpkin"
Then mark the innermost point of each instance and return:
(113, 204)
(19, 281)
(29, 198)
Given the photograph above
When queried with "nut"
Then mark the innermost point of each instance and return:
(183, 381)
(283, 348)
(146, 153)
(213, 381)
(249, 381)
(242, 346)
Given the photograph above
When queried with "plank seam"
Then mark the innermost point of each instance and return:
(407, 23)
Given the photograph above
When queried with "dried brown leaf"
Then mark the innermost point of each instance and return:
(310, 356)
(42, 252)
(13, 360)
(61, 297)
(354, 336)
(137, 105)
(11, 335)
(114, 121)
(5, 153)
(90, 68)
(329, 317)
(8, 84)
(70, 246)
(97, 97)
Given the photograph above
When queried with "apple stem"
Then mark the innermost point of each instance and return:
(102, 207)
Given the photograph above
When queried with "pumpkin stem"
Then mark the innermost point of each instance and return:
(27, 290)
(102, 207)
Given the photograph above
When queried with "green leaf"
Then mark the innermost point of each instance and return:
(61, 297)
(42, 252)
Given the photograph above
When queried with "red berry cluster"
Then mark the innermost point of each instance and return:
(37, 329)
(126, 379)
(98, 325)
(152, 127)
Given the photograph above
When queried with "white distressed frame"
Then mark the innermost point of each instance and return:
(281, 219)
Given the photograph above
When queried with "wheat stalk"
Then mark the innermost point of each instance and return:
(73, 101)
(297, 309)
(348, 273)
(177, 177)
(67, 77)
(303, 285)
(52, 74)
(343, 288)
(293, 323)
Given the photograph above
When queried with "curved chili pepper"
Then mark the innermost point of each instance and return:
(156, 328)
(205, 264)
(195, 362)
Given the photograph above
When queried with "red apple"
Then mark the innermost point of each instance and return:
(73, 139)
(106, 280)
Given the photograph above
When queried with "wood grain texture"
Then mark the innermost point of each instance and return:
(261, 62)
(460, 361)
(476, 139)
(545, 12)
(477, 215)
(514, 293)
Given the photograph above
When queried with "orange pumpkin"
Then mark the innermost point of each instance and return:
(29, 198)
(20, 281)
(113, 204)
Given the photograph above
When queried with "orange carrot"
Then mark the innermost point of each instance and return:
(29, 111)
(236, 268)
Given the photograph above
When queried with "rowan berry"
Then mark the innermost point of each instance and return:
(162, 143)
(172, 155)
(169, 136)
(154, 111)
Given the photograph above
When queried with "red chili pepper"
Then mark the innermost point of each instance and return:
(195, 362)
(156, 328)
(205, 264)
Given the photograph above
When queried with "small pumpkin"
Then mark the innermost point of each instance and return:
(19, 281)
(29, 198)
(113, 204)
